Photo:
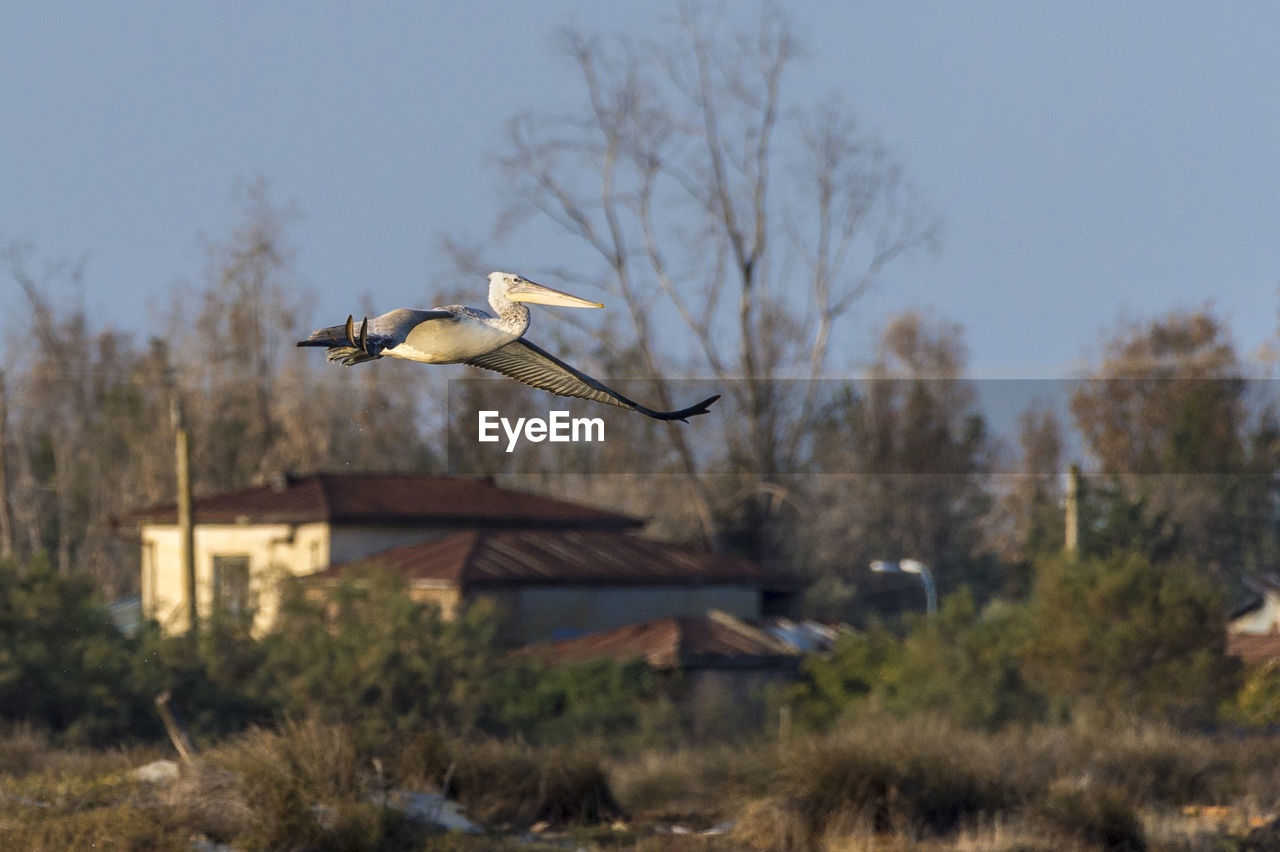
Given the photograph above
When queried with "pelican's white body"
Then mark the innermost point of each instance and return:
(469, 334)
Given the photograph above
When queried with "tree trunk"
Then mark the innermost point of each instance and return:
(6, 516)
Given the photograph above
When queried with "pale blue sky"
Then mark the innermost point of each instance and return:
(1091, 161)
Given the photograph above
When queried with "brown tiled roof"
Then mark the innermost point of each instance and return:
(1254, 647)
(481, 557)
(368, 498)
(679, 641)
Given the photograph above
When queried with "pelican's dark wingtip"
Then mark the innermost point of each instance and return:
(702, 407)
(694, 410)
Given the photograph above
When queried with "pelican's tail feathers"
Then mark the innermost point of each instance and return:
(347, 343)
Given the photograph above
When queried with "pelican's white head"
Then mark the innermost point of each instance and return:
(513, 288)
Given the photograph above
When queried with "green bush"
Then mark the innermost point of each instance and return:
(63, 663)
(962, 664)
(835, 684)
(370, 656)
(1257, 702)
(66, 668)
(213, 681)
(1124, 637)
(365, 655)
(1119, 638)
(599, 700)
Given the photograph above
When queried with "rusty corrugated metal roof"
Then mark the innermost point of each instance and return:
(532, 556)
(716, 639)
(368, 498)
(1254, 647)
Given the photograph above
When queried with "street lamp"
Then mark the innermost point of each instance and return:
(912, 566)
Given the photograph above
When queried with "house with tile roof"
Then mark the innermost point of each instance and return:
(555, 569)
(555, 583)
(246, 540)
(1253, 627)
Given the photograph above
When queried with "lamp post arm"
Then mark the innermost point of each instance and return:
(930, 592)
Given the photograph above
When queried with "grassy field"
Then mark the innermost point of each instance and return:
(881, 784)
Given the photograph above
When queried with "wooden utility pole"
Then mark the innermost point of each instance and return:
(6, 518)
(186, 525)
(1072, 538)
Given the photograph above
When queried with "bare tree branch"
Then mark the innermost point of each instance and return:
(670, 174)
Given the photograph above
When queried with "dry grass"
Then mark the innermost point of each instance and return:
(921, 779)
(25, 750)
(883, 784)
(693, 787)
(304, 785)
(508, 782)
(57, 799)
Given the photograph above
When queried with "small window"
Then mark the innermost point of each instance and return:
(231, 587)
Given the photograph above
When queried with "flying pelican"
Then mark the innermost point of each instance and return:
(456, 334)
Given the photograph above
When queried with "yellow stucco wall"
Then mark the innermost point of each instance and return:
(442, 594)
(294, 549)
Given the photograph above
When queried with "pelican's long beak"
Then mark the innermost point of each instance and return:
(524, 290)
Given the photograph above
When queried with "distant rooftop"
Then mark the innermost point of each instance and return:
(685, 642)
(1254, 647)
(563, 555)
(388, 499)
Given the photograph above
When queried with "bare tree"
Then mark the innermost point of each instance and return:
(247, 316)
(85, 432)
(1188, 463)
(1133, 412)
(58, 383)
(84, 429)
(736, 230)
(910, 455)
(262, 406)
(1028, 517)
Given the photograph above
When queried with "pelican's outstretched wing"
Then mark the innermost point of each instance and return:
(525, 362)
(355, 344)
